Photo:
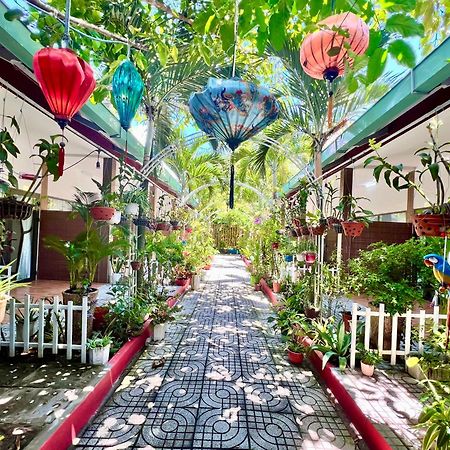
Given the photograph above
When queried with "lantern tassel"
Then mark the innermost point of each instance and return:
(330, 109)
(61, 158)
(231, 202)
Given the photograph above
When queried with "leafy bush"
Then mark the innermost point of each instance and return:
(393, 274)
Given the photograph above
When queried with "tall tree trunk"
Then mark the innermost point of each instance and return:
(148, 155)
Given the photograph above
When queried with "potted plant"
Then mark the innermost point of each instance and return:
(136, 265)
(161, 314)
(316, 222)
(435, 219)
(276, 286)
(49, 154)
(333, 218)
(296, 351)
(7, 284)
(135, 200)
(101, 209)
(355, 217)
(369, 359)
(20, 322)
(99, 347)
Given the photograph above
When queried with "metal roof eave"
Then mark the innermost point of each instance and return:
(418, 83)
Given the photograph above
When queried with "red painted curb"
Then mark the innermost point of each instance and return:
(63, 437)
(371, 436)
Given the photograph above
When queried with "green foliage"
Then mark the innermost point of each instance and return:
(8, 149)
(393, 274)
(369, 357)
(98, 341)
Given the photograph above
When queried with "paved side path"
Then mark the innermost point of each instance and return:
(225, 383)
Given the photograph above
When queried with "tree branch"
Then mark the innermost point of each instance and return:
(170, 11)
(88, 26)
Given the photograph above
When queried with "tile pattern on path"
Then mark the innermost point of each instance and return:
(225, 383)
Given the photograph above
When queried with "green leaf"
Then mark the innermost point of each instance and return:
(374, 41)
(163, 54)
(434, 171)
(13, 14)
(314, 7)
(405, 25)
(261, 40)
(209, 22)
(402, 52)
(376, 65)
(397, 5)
(277, 31)
(430, 436)
(13, 181)
(227, 36)
(377, 172)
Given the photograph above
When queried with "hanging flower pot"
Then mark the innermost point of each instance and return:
(102, 213)
(188, 229)
(353, 229)
(181, 281)
(116, 218)
(276, 287)
(141, 221)
(310, 257)
(175, 224)
(432, 224)
(136, 265)
(132, 209)
(275, 245)
(312, 313)
(317, 231)
(332, 221)
(10, 208)
(163, 226)
(289, 258)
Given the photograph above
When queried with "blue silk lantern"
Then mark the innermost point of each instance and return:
(233, 111)
(127, 89)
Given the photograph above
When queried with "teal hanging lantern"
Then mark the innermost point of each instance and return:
(127, 90)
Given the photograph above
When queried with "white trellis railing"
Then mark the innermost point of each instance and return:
(367, 314)
(28, 322)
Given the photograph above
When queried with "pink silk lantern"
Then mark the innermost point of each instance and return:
(325, 52)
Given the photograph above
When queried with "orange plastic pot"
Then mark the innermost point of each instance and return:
(102, 212)
(353, 229)
(432, 224)
(294, 357)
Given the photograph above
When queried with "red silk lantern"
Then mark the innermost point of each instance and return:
(325, 52)
(67, 82)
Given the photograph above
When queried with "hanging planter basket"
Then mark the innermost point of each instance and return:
(136, 265)
(310, 257)
(163, 226)
(102, 213)
(10, 208)
(317, 231)
(275, 245)
(175, 224)
(353, 229)
(141, 222)
(332, 221)
(432, 224)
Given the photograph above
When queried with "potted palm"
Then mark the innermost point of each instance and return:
(369, 359)
(99, 347)
(296, 350)
(356, 218)
(20, 322)
(435, 219)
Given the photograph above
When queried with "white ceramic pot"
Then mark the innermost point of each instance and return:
(196, 282)
(132, 209)
(99, 356)
(115, 218)
(159, 331)
(416, 372)
(115, 278)
(300, 257)
(367, 370)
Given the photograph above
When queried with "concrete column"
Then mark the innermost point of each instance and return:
(410, 199)
(44, 190)
(108, 167)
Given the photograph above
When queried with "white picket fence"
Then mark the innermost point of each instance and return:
(33, 335)
(422, 317)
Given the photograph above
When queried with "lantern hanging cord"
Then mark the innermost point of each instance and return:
(66, 35)
(236, 22)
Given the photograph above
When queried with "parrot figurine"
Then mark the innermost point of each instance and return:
(441, 271)
(441, 268)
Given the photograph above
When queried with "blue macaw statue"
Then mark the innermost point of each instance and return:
(441, 268)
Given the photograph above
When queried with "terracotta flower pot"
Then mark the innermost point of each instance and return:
(294, 357)
(102, 213)
(276, 287)
(275, 245)
(317, 231)
(432, 224)
(310, 257)
(367, 369)
(331, 221)
(257, 287)
(181, 281)
(163, 226)
(136, 265)
(353, 229)
(100, 313)
(207, 267)
(312, 313)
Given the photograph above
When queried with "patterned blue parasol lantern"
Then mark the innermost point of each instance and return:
(127, 89)
(232, 111)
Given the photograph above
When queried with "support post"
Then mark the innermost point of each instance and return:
(410, 199)
(44, 190)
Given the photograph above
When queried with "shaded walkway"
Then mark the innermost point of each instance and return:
(225, 383)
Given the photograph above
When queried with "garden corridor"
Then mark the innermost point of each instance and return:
(219, 380)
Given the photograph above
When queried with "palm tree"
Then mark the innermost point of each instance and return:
(196, 169)
(304, 108)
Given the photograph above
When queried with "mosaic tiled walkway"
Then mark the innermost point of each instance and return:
(225, 383)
